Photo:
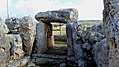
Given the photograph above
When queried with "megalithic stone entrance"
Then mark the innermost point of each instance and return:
(111, 30)
(44, 28)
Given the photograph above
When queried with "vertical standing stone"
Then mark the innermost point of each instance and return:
(50, 36)
(74, 32)
(28, 33)
(41, 37)
(111, 28)
(69, 39)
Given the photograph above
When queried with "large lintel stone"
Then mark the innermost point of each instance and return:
(62, 15)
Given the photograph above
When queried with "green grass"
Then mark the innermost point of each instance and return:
(89, 23)
(60, 42)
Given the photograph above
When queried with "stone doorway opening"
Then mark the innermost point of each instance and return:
(59, 32)
(45, 37)
(49, 41)
(59, 46)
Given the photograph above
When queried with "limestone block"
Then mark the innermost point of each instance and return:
(98, 28)
(86, 46)
(19, 63)
(4, 50)
(49, 56)
(63, 15)
(50, 37)
(3, 28)
(78, 52)
(28, 33)
(16, 47)
(41, 37)
(13, 25)
(4, 43)
(74, 31)
(111, 29)
(69, 39)
(51, 42)
(48, 61)
(101, 53)
(62, 65)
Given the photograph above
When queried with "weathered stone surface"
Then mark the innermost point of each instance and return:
(86, 35)
(81, 63)
(4, 50)
(41, 37)
(13, 25)
(31, 64)
(98, 28)
(19, 63)
(63, 15)
(69, 39)
(101, 53)
(62, 65)
(79, 29)
(57, 50)
(3, 27)
(28, 33)
(78, 52)
(111, 30)
(46, 61)
(50, 37)
(84, 47)
(83, 56)
(51, 42)
(4, 44)
(49, 56)
(74, 31)
(16, 47)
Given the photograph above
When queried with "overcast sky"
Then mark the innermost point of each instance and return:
(88, 9)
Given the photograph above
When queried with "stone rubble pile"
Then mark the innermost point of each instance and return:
(91, 48)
